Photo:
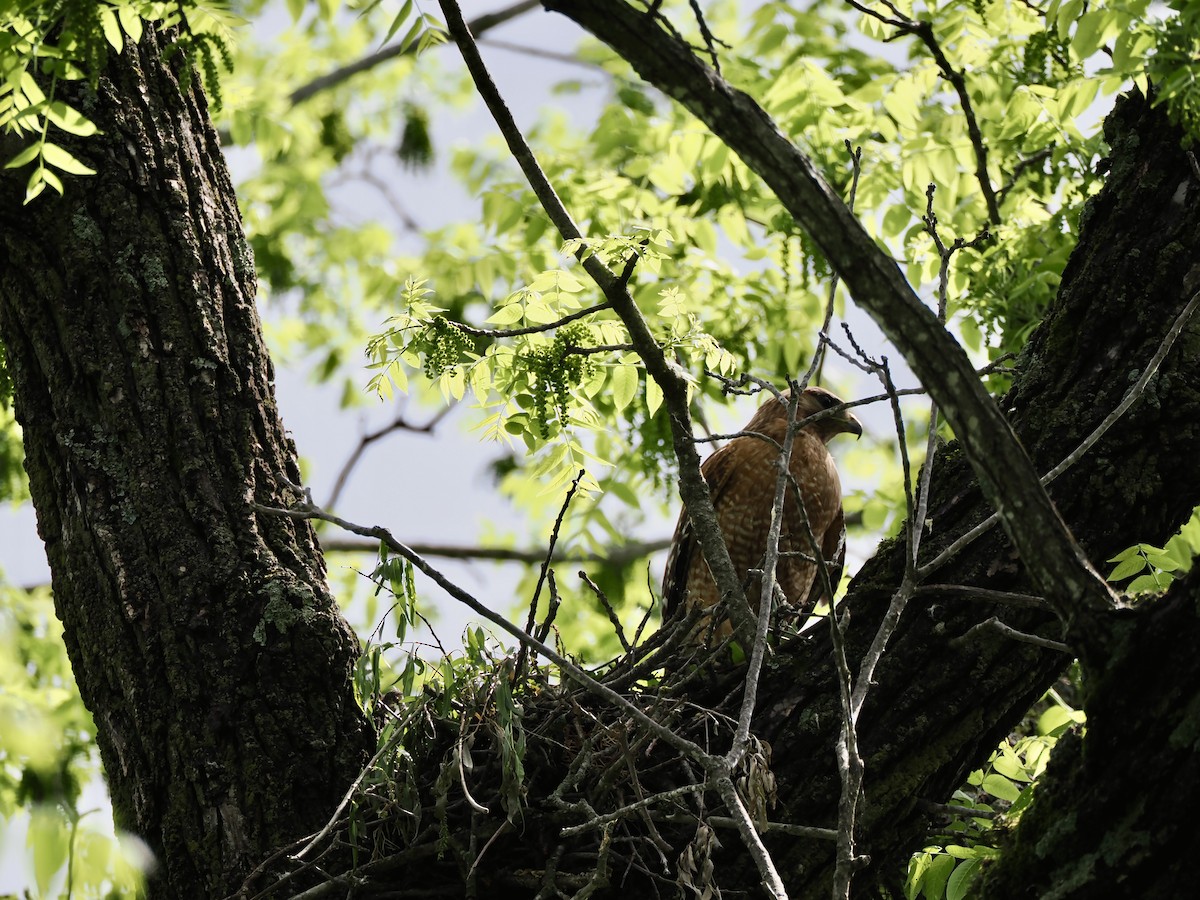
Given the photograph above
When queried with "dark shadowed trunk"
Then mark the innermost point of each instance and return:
(939, 708)
(203, 635)
(1114, 813)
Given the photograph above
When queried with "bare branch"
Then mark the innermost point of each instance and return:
(540, 53)
(529, 329)
(618, 556)
(608, 608)
(816, 367)
(1131, 396)
(955, 810)
(1026, 163)
(769, 580)
(308, 510)
(400, 423)
(969, 592)
(693, 489)
(750, 837)
(924, 31)
(644, 803)
(329, 80)
(537, 591)
(994, 624)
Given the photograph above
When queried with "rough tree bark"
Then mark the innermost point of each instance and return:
(1113, 816)
(203, 635)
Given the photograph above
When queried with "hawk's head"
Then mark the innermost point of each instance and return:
(814, 400)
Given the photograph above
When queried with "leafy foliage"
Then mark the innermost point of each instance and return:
(47, 755)
(1156, 567)
(43, 44)
(999, 792)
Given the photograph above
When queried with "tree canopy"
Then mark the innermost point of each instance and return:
(934, 208)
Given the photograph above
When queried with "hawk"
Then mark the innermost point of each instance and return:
(741, 477)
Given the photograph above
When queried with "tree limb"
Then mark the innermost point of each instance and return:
(1006, 476)
(478, 25)
(692, 487)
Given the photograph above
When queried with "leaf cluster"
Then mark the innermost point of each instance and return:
(1156, 567)
(1000, 791)
(43, 45)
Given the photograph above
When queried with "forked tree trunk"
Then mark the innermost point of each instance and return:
(939, 708)
(202, 634)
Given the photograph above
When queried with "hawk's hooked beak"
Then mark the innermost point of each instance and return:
(848, 423)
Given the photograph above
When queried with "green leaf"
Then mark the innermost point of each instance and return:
(1053, 719)
(918, 867)
(1093, 29)
(507, 315)
(1153, 582)
(36, 184)
(958, 886)
(53, 180)
(623, 382)
(400, 19)
(1128, 567)
(940, 869)
(28, 155)
(69, 119)
(654, 396)
(112, 28)
(48, 837)
(1010, 767)
(131, 22)
(56, 156)
(999, 786)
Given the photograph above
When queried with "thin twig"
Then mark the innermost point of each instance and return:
(804, 831)
(400, 423)
(693, 488)
(854, 692)
(542, 53)
(769, 580)
(955, 810)
(750, 837)
(462, 769)
(552, 611)
(816, 367)
(537, 591)
(608, 608)
(970, 592)
(495, 835)
(924, 32)
(615, 556)
(601, 821)
(1026, 163)
(331, 79)
(320, 835)
(529, 329)
(994, 624)
(308, 510)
